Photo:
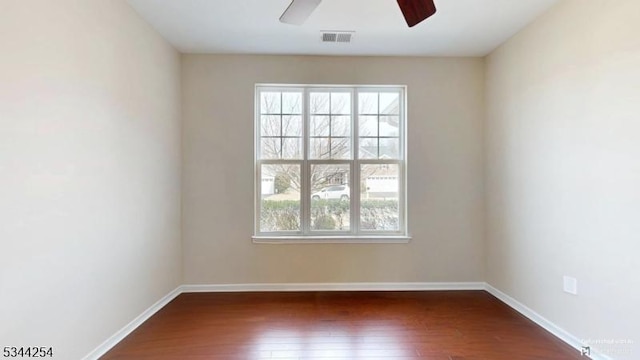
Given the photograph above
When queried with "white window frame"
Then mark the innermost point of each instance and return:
(354, 234)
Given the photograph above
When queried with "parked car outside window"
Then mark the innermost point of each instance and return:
(332, 192)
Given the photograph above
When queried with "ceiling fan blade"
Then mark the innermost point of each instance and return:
(299, 11)
(415, 11)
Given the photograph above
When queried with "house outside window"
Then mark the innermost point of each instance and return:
(330, 163)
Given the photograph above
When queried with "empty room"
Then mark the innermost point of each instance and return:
(320, 179)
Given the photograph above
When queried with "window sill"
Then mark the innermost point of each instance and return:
(331, 239)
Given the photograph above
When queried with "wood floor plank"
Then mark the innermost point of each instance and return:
(439, 325)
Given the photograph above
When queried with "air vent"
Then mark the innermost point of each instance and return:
(329, 37)
(337, 36)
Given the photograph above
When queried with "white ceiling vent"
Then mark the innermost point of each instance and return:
(337, 36)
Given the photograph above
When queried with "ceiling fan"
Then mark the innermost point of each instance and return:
(414, 11)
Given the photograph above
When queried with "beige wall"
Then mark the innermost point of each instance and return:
(445, 98)
(89, 171)
(563, 169)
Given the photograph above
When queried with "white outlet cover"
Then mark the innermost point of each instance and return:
(570, 285)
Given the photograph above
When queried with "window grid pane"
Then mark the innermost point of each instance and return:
(379, 197)
(330, 197)
(379, 125)
(330, 125)
(280, 198)
(281, 125)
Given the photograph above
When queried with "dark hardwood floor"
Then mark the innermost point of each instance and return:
(447, 325)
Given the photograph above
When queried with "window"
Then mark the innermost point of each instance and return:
(330, 163)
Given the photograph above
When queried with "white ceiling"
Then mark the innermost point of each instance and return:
(459, 28)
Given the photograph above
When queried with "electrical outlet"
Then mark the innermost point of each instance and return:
(570, 285)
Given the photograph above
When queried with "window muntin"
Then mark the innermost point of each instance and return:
(330, 124)
(281, 125)
(330, 161)
(379, 125)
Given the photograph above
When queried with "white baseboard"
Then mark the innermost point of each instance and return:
(130, 327)
(272, 287)
(557, 331)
